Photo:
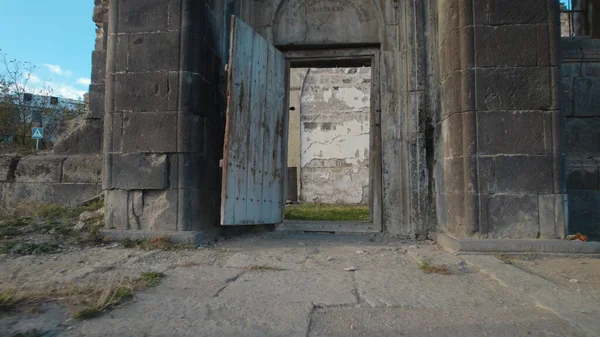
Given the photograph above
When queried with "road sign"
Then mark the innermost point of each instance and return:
(37, 133)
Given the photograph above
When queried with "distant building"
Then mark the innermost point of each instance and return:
(46, 111)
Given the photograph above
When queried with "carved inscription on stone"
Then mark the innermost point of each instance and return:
(326, 7)
(327, 22)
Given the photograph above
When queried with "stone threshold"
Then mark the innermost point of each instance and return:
(352, 227)
(516, 245)
(193, 238)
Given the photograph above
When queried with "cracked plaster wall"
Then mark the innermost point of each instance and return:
(334, 134)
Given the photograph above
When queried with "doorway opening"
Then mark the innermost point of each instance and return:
(333, 143)
(338, 137)
(328, 144)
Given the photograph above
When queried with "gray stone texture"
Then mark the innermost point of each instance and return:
(39, 169)
(470, 126)
(163, 125)
(580, 85)
(500, 131)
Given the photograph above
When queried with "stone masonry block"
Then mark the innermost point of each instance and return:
(491, 43)
(583, 136)
(586, 101)
(566, 96)
(153, 132)
(192, 133)
(458, 221)
(582, 174)
(116, 207)
(486, 169)
(531, 11)
(511, 216)
(453, 175)
(82, 170)
(448, 16)
(39, 169)
(514, 132)
(514, 88)
(451, 94)
(139, 172)
(552, 216)
(98, 67)
(5, 167)
(448, 56)
(13, 194)
(143, 15)
(525, 174)
(571, 69)
(584, 213)
(141, 210)
(591, 69)
(141, 92)
(452, 136)
(158, 211)
(96, 100)
(153, 52)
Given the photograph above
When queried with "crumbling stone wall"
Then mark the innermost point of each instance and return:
(580, 103)
(334, 135)
(48, 179)
(72, 172)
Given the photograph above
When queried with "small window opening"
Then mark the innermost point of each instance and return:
(575, 18)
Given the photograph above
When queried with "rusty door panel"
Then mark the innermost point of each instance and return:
(254, 155)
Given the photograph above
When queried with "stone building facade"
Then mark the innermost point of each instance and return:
(466, 104)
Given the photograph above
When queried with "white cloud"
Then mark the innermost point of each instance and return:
(34, 79)
(58, 70)
(84, 81)
(68, 91)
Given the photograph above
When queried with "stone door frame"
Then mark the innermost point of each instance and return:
(348, 57)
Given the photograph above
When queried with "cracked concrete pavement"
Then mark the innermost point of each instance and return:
(282, 284)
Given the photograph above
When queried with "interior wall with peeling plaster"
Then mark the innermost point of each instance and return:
(329, 134)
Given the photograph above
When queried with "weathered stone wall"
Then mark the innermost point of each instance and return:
(48, 179)
(72, 173)
(398, 28)
(580, 102)
(490, 153)
(163, 114)
(500, 173)
(334, 135)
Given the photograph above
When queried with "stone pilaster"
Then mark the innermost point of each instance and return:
(162, 130)
(502, 163)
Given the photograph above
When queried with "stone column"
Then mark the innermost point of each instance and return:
(501, 170)
(162, 130)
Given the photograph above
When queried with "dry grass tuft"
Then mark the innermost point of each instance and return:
(10, 298)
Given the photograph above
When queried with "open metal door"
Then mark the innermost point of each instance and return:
(255, 150)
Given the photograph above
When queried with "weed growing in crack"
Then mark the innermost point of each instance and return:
(151, 279)
(428, 268)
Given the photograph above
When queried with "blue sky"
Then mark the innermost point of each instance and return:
(56, 36)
